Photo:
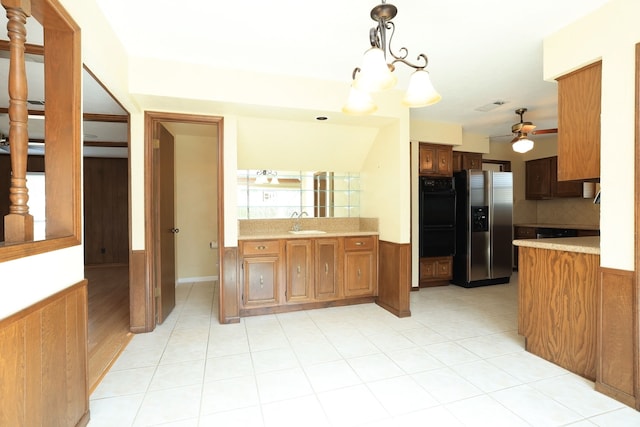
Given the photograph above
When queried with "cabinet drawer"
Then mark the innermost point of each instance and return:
(261, 247)
(361, 243)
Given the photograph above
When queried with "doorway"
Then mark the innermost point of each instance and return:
(181, 126)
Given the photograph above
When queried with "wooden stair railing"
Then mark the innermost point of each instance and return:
(18, 224)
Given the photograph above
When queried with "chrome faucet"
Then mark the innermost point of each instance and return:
(296, 221)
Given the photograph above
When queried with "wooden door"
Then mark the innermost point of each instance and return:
(165, 291)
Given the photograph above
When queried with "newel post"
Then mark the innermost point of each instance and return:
(18, 224)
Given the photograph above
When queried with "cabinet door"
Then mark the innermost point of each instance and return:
(359, 275)
(443, 268)
(427, 159)
(299, 271)
(445, 160)
(427, 269)
(327, 269)
(456, 161)
(538, 179)
(472, 161)
(563, 188)
(260, 281)
(579, 105)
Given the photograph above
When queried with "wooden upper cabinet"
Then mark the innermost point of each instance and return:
(463, 160)
(542, 181)
(436, 160)
(579, 100)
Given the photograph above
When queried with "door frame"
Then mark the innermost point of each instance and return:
(146, 289)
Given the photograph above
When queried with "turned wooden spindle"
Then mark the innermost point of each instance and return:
(18, 224)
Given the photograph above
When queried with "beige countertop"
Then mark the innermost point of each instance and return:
(587, 245)
(290, 235)
(570, 226)
(257, 229)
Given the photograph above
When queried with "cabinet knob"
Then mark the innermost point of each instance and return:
(261, 281)
(326, 268)
(359, 274)
(175, 230)
(298, 269)
(359, 243)
(261, 247)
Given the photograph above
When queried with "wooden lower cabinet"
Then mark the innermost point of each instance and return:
(360, 266)
(435, 271)
(293, 272)
(557, 307)
(260, 273)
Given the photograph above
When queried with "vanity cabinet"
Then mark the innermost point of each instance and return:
(579, 105)
(328, 265)
(360, 266)
(299, 253)
(261, 272)
(541, 181)
(435, 160)
(291, 274)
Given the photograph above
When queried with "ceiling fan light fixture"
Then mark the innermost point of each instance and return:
(522, 144)
(420, 92)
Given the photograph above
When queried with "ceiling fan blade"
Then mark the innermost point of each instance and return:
(515, 139)
(543, 131)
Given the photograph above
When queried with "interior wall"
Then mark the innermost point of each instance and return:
(386, 182)
(609, 34)
(196, 207)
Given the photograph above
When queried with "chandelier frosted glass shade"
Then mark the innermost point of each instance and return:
(522, 145)
(374, 74)
(359, 102)
(420, 92)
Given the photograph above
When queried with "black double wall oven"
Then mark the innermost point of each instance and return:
(437, 217)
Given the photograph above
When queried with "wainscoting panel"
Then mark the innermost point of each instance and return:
(43, 363)
(394, 278)
(230, 309)
(617, 336)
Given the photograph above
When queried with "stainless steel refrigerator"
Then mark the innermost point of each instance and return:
(484, 233)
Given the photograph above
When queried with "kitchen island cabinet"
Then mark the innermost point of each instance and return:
(558, 300)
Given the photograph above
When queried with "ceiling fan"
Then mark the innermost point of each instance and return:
(521, 142)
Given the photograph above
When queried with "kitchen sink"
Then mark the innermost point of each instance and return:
(307, 232)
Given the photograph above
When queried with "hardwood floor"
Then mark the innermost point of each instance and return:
(108, 317)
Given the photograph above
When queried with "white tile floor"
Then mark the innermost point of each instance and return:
(457, 361)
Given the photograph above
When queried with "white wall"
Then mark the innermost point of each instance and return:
(609, 34)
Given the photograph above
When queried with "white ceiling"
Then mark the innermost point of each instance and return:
(479, 51)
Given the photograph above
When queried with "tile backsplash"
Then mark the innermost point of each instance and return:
(568, 211)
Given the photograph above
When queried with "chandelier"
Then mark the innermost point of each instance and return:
(376, 73)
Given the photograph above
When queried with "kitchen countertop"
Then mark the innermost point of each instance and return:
(288, 235)
(587, 245)
(569, 226)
